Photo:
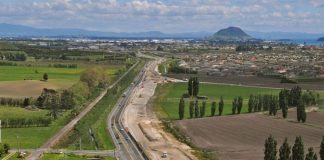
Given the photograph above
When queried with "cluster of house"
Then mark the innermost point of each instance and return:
(272, 63)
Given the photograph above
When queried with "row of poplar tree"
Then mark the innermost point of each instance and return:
(256, 103)
(196, 111)
(286, 152)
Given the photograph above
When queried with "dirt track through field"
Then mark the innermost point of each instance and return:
(241, 137)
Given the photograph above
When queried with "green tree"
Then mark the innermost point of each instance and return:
(54, 103)
(1, 151)
(298, 149)
(181, 108)
(6, 148)
(285, 151)
(260, 102)
(193, 86)
(234, 105)
(203, 109)
(301, 111)
(283, 102)
(159, 48)
(190, 86)
(94, 76)
(191, 109)
(270, 151)
(239, 104)
(220, 106)
(26, 102)
(255, 103)
(81, 92)
(296, 93)
(213, 108)
(196, 86)
(196, 109)
(311, 155)
(67, 99)
(322, 149)
(250, 104)
(45, 76)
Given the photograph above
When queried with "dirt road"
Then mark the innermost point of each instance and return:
(145, 126)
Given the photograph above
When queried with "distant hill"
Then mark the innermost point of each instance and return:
(321, 39)
(230, 34)
(277, 35)
(10, 30)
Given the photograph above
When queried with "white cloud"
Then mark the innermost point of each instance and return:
(317, 3)
(164, 15)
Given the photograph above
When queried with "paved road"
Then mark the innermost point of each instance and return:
(67, 128)
(127, 147)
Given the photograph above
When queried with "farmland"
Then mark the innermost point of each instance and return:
(12, 112)
(236, 137)
(22, 70)
(20, 81)
(168, 96)
(242, 137)
(32, 137)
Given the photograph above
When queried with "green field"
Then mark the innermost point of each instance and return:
(17, 112)
(32, 137)
(12, 73)
(53, 156)
(7, 46)
(168, 96)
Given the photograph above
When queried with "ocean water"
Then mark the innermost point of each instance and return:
(307, 42)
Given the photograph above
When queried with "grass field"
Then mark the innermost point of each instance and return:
(13, 73)
(17, 112)
(168, 96)
(12, 83)
(53, 156)
(32, 137)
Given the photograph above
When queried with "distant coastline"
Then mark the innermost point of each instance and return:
(307, 42)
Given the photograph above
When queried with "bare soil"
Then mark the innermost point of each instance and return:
(253, 81)
(241, 137)
(28, 88)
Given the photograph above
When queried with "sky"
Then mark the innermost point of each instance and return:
(169, 16)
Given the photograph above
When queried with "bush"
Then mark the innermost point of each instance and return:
(287, 80)
(5, 101)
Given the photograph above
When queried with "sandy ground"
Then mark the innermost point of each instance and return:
(27, 88)
(145, 126)
(241, 137)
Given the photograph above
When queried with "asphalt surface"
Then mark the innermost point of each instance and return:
(126, 146)
(67, 128)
